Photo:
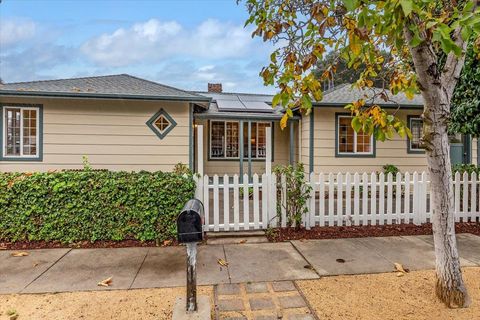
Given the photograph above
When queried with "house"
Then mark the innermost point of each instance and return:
(121, 122)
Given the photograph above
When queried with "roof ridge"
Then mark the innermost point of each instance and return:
(75, 78)
(234, 93)
(163, 85)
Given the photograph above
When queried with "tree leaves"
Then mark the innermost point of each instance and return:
(407, 7)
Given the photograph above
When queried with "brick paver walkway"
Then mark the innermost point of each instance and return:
(261, 301)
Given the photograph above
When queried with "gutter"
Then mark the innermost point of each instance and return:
(37, 94)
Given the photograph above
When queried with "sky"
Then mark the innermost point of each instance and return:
(182, 43)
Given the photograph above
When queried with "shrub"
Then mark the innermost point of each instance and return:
(70, 206)
(468, 168)
(390, 168)
(297, 193)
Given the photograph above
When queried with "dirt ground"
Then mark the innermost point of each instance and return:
(386, 296)
(119, 304)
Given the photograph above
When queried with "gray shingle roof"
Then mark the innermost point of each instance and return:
(345, 94)
(120, 86)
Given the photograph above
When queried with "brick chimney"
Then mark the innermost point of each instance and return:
(215, 87)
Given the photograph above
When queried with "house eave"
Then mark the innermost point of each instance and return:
(382, 105)
(80, 95)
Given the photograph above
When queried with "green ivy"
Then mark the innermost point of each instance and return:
(71, 206)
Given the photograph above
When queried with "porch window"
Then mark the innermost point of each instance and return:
(416, 127)
(21, 131)
(225, 139)
(350, 142)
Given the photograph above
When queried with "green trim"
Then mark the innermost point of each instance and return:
(241, 150)
(40, 133)
(343, 155)
(17, 93)
(151, 125)
(409, 150)
(246, 116)
(249, 144)
(467, 157)
(311, 140)
(478, 151)
(190, 136)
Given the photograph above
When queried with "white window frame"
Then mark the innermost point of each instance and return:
(239, 133)
(37, 137)
(355, 152)
(410, 149)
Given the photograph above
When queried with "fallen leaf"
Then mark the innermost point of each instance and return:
(35, 264)
(222, 262)
(340, 260)
(20, 254)
(308, 266)
(167, 243)
(399, 268)
(105, 283)
(400, 274)
(242, 241)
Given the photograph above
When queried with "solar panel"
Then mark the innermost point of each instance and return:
(257, 106)
(230, 105)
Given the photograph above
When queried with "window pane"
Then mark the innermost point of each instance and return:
(12, 132)
(232, 140)
(217, 140)
(29, 132)
(364, 142)
(262, 140)
(416, 127)
(346, 135)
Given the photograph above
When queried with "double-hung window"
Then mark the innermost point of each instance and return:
(225, 139)
(351, 143)
(21, 132)
(416, 127)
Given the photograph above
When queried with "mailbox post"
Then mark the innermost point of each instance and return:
(190, 232)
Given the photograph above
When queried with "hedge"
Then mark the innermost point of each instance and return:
(71, 206)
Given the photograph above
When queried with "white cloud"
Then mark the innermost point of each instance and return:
(14, 31)
(154, 40)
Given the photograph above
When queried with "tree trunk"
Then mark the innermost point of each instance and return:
(437, 89)
(449, 286)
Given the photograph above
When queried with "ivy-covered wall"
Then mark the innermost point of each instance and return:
(71, 206)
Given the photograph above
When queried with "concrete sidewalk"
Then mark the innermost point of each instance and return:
(63, 270)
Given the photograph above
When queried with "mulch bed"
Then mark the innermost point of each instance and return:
(28, 245)
(273, 235)
(285, 234)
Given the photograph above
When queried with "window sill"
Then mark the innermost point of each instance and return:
(353, 155)
(14, 159)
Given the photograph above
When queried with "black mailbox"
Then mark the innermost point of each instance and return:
(190, 221)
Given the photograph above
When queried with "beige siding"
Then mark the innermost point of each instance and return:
(112, 133)
(305, 142)
(281, 154)
(388, 152)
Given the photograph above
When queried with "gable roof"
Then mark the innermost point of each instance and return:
(121, 86)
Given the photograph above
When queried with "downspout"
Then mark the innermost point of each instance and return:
(310, 140)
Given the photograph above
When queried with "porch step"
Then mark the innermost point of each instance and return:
(236, 237)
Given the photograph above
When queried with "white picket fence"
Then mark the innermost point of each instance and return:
(232, 203)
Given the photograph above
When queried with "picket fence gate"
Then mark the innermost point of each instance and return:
(234, 203)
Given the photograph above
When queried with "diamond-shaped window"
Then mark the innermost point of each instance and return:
(161, 123)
